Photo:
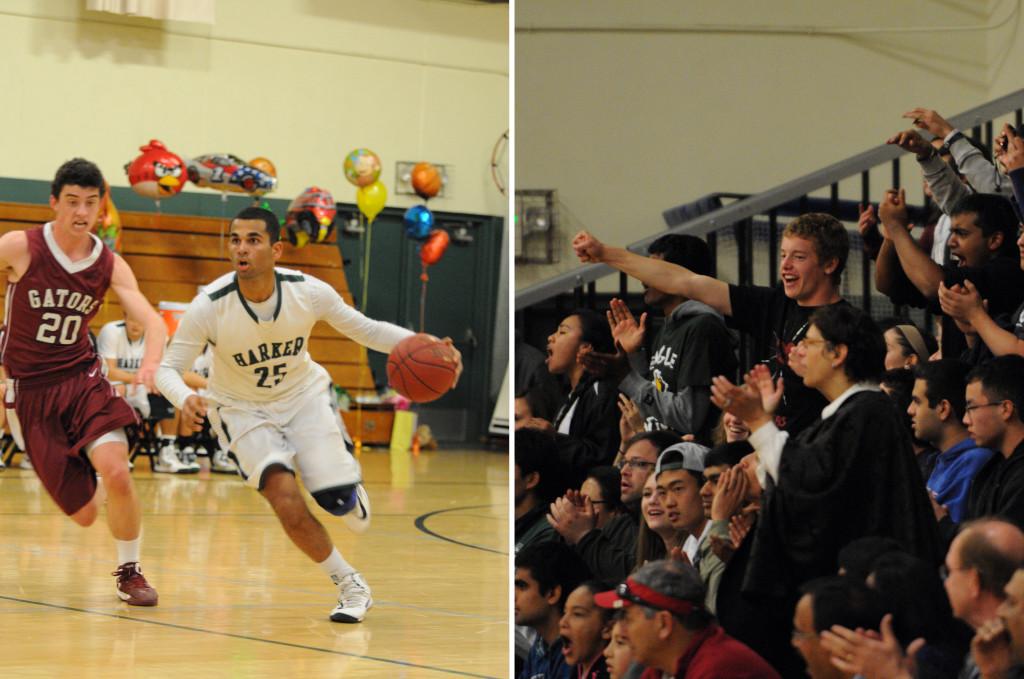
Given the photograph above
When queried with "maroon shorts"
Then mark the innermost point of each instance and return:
(57, 419)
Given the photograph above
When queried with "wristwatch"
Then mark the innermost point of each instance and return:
(949, 142)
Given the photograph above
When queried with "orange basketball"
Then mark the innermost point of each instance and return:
(421, 368)
(426, 180)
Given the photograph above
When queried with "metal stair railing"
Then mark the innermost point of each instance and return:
(740, 215)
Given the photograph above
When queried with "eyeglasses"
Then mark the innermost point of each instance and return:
(810, 342)
(975, 406)
(636, 463)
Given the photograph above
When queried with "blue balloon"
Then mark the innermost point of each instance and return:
(418, 222)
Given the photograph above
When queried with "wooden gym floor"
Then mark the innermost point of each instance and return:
(237, 599)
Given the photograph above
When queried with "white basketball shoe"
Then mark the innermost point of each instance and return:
(169, 462)
(353, 599)
(358, 520)
(221, 463)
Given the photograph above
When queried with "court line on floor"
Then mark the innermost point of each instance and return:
(191, 478)
(421, 524)
(243, 637)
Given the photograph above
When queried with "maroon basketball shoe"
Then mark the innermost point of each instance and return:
(132, 586)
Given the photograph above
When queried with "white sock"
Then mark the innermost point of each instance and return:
(336, 567)
(128, 550)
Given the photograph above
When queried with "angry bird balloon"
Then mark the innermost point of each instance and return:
(157, 173)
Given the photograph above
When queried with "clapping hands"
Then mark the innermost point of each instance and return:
(754, 401)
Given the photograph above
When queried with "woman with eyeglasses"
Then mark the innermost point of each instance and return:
(602, 488)
(851, 473)
(587, 424)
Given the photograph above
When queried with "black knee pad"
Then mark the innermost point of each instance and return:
(339, 500)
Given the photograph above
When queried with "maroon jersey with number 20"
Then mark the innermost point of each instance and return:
(58, 400)
(49, 309)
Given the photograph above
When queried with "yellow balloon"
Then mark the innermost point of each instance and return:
(371, 199)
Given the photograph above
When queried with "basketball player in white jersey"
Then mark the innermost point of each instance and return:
(268, 401)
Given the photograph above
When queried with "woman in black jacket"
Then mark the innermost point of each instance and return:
(587, 424)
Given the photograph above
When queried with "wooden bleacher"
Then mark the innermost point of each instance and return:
(172, 255)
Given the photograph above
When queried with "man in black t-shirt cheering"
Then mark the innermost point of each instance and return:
(813, 255)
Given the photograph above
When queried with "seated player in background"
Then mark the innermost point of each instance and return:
(121, 344)
(189, 441)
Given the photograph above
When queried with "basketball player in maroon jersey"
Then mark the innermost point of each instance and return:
(69, 416)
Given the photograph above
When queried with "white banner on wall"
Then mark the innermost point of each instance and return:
(199, 11)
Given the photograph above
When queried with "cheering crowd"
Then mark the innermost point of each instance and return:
(851, 505)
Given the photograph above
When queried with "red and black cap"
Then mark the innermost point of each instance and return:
(632, 592)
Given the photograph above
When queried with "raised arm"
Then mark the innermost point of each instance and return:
(887, 268)
(665, 276)
(915, 262)
(947, 189)
(138, 308)
(1011, 155)
(981, 173)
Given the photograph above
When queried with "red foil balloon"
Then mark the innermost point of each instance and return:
(432, 250)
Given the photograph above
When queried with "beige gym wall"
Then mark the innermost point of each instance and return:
(738, 95)
(301, 82)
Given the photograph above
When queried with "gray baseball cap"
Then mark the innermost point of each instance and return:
(683, 455)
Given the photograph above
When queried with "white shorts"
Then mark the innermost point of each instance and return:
(302, 434)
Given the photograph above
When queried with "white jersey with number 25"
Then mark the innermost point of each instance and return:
(260, 350)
